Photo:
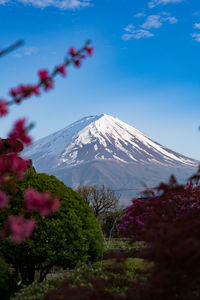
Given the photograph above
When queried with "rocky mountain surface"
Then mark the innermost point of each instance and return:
(103, 149)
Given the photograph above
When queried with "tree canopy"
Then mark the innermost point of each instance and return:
(102, 199)
(67, 236)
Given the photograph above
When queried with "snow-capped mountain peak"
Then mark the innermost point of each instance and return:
(100, 137)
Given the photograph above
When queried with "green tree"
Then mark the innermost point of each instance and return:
(64, 238)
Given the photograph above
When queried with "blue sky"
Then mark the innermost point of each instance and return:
(145, 69)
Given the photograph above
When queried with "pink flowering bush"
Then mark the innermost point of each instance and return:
(12, 165)
(147, 215)
(19, 228)
(40, 202)
(168, 222)
(61, 237)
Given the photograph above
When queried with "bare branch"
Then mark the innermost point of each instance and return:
(11, 48)
(102, 199)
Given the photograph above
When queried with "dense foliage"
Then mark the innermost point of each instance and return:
(168, 223)
(70, 235)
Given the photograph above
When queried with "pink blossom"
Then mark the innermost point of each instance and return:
(36, 90)
(40, 202)
(54, 205)
(24, 91)
(13, 163)
(20, 228)
(72, 51)
(61, 69)
(33, 200)
(13, 92)
(3, 107)
(19, 132)
(48, 84)
(89, 50)
(77, 63)
(43, 75)
(3, 200)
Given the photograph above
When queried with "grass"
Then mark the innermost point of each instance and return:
(104, 269)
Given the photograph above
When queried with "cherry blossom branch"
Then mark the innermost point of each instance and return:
(46, 80)
(12, 166)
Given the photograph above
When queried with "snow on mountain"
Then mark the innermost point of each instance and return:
(101, 137)
(99, 144)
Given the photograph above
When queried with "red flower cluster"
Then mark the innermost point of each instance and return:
(24, 91)
(12, 164)
(61, 69)
(19, 132)
(19, 228)
(3, 200)
(3, 108)
(89, 50)
(76, 56)
(46, 79)
(40, 202)
(173, 203)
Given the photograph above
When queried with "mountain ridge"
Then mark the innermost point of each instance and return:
(108, 143)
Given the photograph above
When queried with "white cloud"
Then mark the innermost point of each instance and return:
(129, 28)
(171, 20)
(156, 21)
(197, 25)
(153, 21)
(196, 37)
(137, 34)
(154, 3)
(139, 15)
(62, 4)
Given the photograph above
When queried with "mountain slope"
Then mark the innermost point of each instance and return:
(103, 149)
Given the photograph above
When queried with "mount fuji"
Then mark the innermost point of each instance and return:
(104, 150)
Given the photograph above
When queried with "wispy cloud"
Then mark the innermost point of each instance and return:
(196, 37)
(140, 14)
(62, 4)
(27, 51)
(197, 25)
(171, 20)
(154, 3)
(137, 34)
(129, 28)
(151, 22)
(156, 21)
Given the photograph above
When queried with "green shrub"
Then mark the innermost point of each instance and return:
(35, 291)
(4, 276)
(70, 235)
(131, 264)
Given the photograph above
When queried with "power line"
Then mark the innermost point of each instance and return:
(133, 189)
